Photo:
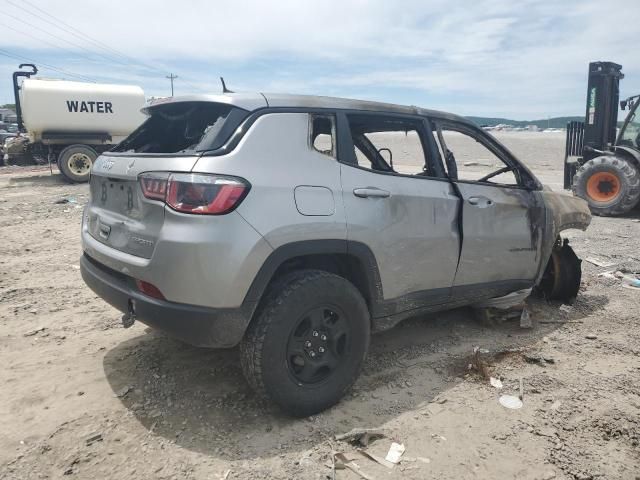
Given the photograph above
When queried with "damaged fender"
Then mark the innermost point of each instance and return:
(563, 212)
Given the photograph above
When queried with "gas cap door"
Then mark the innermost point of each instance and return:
(314, 201)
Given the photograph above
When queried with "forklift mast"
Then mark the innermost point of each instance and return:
(603, 94)
(588, 139)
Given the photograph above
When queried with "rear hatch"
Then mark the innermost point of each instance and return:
(170, 140)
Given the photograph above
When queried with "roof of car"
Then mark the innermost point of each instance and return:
(255, 101)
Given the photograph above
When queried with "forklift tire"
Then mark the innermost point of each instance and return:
(611, 185)
(75, 162)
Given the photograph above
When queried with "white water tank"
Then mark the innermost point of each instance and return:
(63, 106)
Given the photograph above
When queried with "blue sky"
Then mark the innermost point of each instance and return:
(522, 60)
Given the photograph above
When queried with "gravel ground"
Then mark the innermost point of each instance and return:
(84, 398)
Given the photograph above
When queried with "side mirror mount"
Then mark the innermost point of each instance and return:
(390, 160)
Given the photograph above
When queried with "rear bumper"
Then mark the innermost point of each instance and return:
(199, 326)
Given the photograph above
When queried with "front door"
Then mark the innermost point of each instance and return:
(501, 218)
(401, 207)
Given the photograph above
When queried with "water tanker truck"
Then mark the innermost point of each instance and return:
(70, 123)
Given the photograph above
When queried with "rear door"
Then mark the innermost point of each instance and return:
(501, 216)
(399, 205)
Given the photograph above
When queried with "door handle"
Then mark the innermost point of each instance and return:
(371, 192)
(480, 201)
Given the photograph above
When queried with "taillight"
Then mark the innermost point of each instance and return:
(154, 186)
(195, 192)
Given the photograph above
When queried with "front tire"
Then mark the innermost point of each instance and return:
(305, 347)
(562, 275)
(611, 185)
(75, 162)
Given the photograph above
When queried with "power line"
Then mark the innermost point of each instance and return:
(27, 34)
(71, 30)
(46, 66)
(83, 36)
(57, 37)
(75, 32)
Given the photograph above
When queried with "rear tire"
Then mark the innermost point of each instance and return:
(305, 347)
(611, 185)
(75, 162)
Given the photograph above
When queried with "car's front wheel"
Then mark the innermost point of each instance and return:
(306, 346)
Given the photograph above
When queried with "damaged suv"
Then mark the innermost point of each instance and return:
(296, 226)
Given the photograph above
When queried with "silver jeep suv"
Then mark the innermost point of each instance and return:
(295, 226)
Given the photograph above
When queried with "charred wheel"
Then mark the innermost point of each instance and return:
(610, 184)
(563, 274)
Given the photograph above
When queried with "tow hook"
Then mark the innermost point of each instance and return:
(129, 318)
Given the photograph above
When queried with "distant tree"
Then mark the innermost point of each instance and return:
(12, 106)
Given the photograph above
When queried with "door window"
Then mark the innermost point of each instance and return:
(323, 134)
(469, 157)
(389, 145)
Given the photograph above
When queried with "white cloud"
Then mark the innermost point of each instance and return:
(493, 57)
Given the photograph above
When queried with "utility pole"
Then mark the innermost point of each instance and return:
(172, 77)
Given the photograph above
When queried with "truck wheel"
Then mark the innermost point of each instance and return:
(306, 345)
(611, 185)
(75, 162)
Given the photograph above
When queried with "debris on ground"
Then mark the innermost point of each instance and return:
(537, 359)
(495, 382)
(599, 263)
(372, 456)
(395, 452)
(478, 364)
(521, 396)
(506, 302)
(416, 459)
(342, 462)
(62, 201)
(525, 319)
(31, 333)
(362, 436)
(591, 336)
(93, 439)
(123, 391)
(509, 401)
(608, 274)
(565, 308)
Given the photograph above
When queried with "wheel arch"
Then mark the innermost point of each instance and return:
(628, 153)
(563, 212)
(353, 261)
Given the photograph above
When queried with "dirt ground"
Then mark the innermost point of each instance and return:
(82, 397)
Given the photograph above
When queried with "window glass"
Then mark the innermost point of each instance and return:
(183, 127)
(631, 134)
(472, 159)
(323, 134)
(388, 144)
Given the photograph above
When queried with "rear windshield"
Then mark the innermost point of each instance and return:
(184, 127)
